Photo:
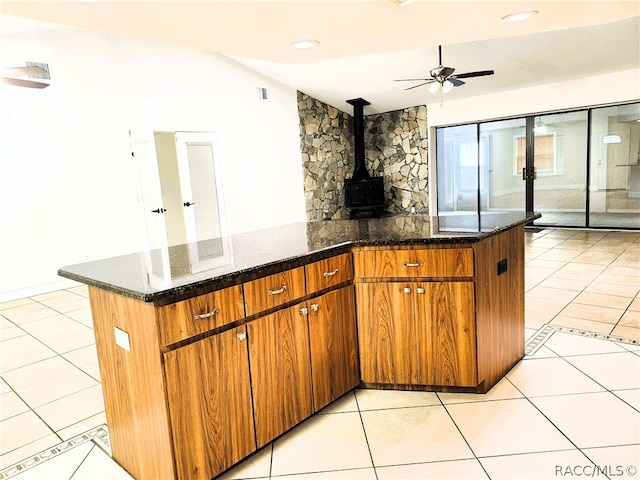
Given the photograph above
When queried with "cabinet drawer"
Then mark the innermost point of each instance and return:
(274, 290)
(329, 272)
(181, 320)
(437, 262)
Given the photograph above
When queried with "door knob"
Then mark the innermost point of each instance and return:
(188, 204)
(159, 210)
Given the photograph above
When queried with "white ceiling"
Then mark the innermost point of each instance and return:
(366, 44)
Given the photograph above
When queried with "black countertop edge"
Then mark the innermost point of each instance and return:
(204, 285)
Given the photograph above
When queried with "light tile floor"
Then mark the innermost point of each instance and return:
(570, 408)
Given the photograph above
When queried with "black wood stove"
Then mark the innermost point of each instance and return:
(364, 194)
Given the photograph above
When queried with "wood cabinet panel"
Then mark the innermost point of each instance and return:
(329, 272)
(448, 309)
(280, 372)
(334, 345)
(182, 320)
(209, 396)
(133, 384)
(390, 263)
(389, 334)
(417, 333)
(273, 290)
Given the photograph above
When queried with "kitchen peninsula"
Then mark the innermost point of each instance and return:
(201, 366)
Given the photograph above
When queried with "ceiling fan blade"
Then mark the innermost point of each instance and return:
(419, 85)
(23, 71)
(413, 80)
(455, 81)
(17, 82)
(446, 71)
(475, 74)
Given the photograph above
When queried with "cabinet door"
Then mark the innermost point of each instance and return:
(450, 354)
(392, 338)
(209, 396)
(334, 352)
(280, 372)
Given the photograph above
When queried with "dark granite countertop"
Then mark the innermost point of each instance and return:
(186, 270)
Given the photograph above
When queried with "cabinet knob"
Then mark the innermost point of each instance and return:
(241, 336)
(315, 307)
(406, 290)
(304, 311)
(200, 316)
(278, 291)
(420, 290)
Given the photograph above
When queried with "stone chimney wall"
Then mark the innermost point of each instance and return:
(396, 147)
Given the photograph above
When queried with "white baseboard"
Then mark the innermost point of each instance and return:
(37, 290)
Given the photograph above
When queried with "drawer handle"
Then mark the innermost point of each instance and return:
(200, 316)
(278, 291)
(418, 264)
(331, 274)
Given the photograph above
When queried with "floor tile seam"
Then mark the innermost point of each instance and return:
(636, 408)
(32, 440)
(67, 395)
(528, 453)
(65, 313)
(455, 424)
(366, 437)
(54, 451)
(426, 463)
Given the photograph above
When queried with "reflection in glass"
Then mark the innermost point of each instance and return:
(560, 162)
(457, 167)
(614, 187)
(504, 144)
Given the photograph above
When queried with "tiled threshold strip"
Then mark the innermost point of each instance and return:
(98, 435)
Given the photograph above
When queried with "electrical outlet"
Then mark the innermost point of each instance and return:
(503, 266)
(122, 339)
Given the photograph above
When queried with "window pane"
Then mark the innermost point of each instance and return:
(560, 162)
(614, 190)
(503, 149)
(457, 168)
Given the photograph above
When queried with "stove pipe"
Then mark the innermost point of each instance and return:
(360, 170)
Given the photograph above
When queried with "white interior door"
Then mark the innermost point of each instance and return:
(201, 189)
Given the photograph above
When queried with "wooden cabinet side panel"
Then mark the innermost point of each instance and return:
(500, 304)
(449, 310)
(334, 351)
(280, 368)
(256, 292)
(210, 403)
(133, 385)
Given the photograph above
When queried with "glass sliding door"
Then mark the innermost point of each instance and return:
(457, 167)
(560, 166)
(614, 186)
(502, 157)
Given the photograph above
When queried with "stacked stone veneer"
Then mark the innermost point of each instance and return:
(396, 148)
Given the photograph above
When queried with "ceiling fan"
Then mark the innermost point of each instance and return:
(15, 75)
(443, 78)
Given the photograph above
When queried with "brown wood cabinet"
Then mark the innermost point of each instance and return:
(417, 333)
(274, 290)
(280, 371)
(209, 397)
(334, 345)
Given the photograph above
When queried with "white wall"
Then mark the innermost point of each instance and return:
(68, 190)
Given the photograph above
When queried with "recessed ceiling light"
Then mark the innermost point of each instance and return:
(519, 16)
(304, 44)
